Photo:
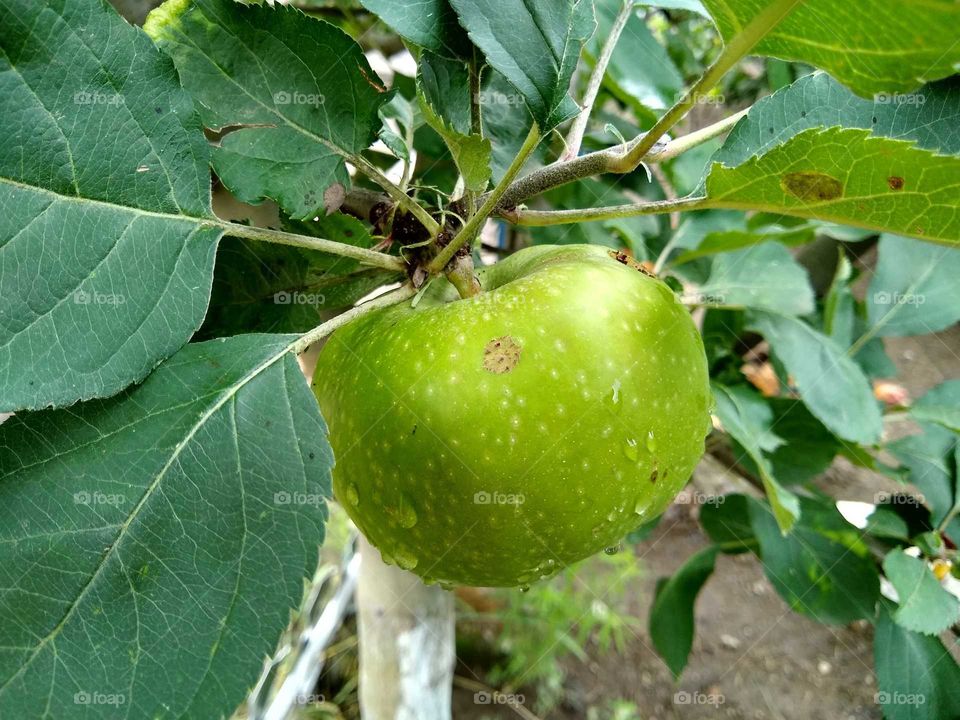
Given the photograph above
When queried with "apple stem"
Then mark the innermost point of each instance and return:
(462, 277)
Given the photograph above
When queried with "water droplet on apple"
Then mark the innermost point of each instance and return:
(630, 450)
(616, 391)
(651, 442)
(612, 550)
(524, 588)
(640, 507)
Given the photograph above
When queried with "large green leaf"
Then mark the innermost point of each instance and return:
(536, 46)
(671, 617)
(297, 94)
(872, 46)
(930, 117)
(830, 383)
(917, 677)
(749, 420)
(106, 232)
(443, 90)
(924, 605)
(823, 568)
(152, 544)
(914, 290)
(431, 24)
(763, 276)
(848, 176)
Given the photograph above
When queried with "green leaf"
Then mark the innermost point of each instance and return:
(263, 287)
(832, 386)
(671, 617)
(763, 276)
(930, 117)
(640, 73)
(924, 605)
(917, 677)
(822, 569)
(748, 420)
(944, 415)
(107, 237)
(872, 47)
(844, 321)
(431, 24)
(192, 503)
(297, 94)
(728, 525)
(729, 240)
(848, 176)
(535, 46)
(914, 290)
(503, 123)
(443, 90)
(928, 455)
(884, 522)
(807, 448)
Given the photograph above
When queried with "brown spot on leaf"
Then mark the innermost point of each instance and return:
(654, 475)
(812, 186)
(895, 182)
(501, 355)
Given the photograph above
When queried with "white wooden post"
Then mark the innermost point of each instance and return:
(407, 652)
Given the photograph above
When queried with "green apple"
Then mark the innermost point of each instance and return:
(495, 440)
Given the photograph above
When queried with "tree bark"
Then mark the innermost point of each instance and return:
(407, 652)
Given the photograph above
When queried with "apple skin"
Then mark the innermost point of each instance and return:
(493, 441)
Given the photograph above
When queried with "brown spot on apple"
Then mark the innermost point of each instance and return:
(501, 355)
